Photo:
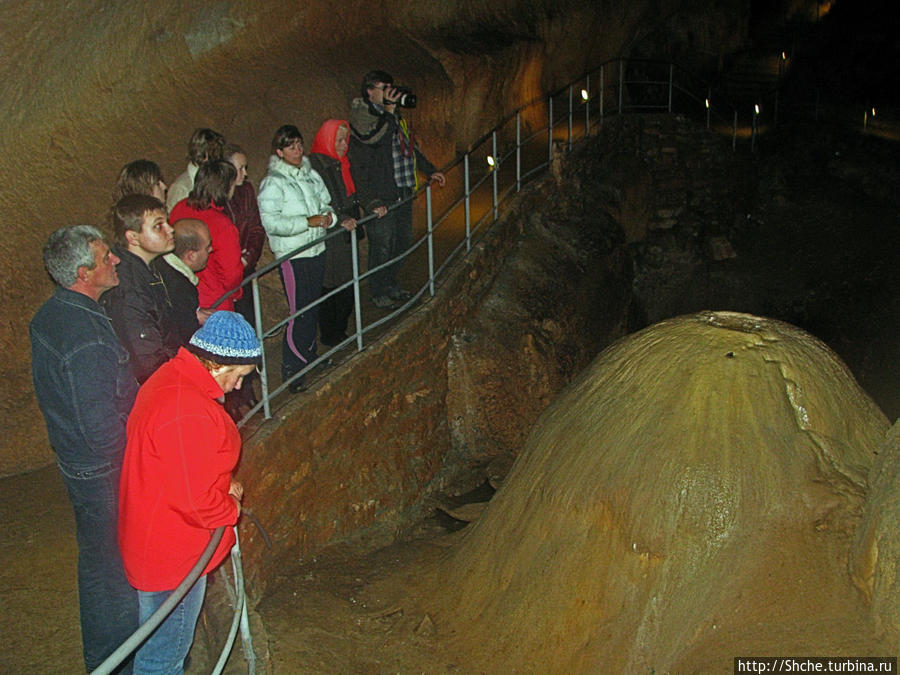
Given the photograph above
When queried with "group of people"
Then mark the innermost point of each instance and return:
(139, 358)
(367, 165)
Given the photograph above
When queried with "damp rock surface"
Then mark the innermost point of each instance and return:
(652, 492)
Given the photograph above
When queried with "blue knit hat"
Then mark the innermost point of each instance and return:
(227, 339)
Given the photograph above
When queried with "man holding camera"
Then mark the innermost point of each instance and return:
(385, 161)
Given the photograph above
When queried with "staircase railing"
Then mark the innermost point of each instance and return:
(519, 148)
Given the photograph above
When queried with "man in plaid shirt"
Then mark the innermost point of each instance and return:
(385, 161)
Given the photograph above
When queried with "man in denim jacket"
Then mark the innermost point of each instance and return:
(85, 388)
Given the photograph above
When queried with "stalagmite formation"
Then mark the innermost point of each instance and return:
(876, 554)
(655, 486)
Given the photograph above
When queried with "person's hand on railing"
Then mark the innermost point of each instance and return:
(437, 177)
(236, 490)
(349, 224)
(203, 314)
(380, 211)
(321, 220)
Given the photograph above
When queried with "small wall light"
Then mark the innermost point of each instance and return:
(584, 95)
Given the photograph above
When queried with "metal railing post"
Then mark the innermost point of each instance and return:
(521, 174)
(495, 169)
(263, 372)
(357, 295)
(734, 133)
(671, 78)
(775, 112)
(550, 133)
(518, 152)
(708, 105)
(754, 119)
(602, 96)
(587, 106)
(430, 227)
(621, 83)
(468, 204)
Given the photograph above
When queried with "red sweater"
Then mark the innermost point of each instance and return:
(182, 448)
(224, 270)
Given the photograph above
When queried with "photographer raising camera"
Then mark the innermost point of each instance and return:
(385, 162)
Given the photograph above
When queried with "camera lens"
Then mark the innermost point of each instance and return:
(407, 99)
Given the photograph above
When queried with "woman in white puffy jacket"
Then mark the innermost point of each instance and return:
(295, 208)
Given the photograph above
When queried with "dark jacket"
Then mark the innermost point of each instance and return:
(371, 155)
(338, 248)
(141, 314)
(243, 210)
(183, 296)
(330, 170)
(82, 379)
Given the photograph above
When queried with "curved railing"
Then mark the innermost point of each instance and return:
(496, 165)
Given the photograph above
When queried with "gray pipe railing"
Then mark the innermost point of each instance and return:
(146, 629)
(674, 90)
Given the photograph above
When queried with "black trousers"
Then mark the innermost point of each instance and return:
(302, 279)
(334, 313)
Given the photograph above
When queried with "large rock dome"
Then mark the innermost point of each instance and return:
(654, 488)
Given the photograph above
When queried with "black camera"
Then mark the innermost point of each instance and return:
(406, 98)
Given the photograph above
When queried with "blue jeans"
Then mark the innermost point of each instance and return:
(107, 602)
(164, 651)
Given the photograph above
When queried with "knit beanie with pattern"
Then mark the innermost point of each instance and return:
(227, 339)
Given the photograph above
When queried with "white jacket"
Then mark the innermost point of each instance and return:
(288, 197)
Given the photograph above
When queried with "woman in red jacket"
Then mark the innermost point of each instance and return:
(176, 484)
(224, 270)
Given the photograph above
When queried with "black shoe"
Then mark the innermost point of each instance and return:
(333, 340)
(296, 386)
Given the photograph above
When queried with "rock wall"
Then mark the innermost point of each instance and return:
(446, 398)
(875, 557)
(91, 85)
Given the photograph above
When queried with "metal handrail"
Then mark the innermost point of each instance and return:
(144, 630)
(506, 142)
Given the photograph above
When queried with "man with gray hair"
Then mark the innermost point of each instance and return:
(85, 389)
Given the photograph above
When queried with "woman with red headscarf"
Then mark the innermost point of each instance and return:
(329, 159)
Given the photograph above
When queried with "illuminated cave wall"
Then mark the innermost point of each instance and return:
(91, 85)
